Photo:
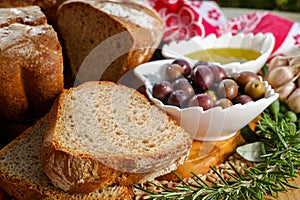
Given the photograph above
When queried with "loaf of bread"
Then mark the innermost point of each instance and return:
(31, 64)
(22, 176)
(104, 134)
(103, 39)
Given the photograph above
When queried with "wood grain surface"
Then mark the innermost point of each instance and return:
(205, 154)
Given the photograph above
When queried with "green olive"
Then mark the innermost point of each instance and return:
(255, 89)
(291, 116)
(274, 108)
(283, 108)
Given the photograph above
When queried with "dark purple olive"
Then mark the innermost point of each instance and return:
(173, 71)
(162, 90)
(224, 103)
(178, 98)
(228, 89)
(244, 77)
(219, 72)
(202, 77)
(185, 66)
(203, 100)
(242, 99)
(200, 62)
(183, 84)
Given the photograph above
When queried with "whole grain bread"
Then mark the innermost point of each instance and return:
(103, 39)
(22, 176)
(31, 64)
(103, 134)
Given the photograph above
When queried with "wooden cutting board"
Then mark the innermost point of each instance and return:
(205, 154)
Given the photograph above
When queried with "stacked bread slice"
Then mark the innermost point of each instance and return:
(102, 134)
(99, 139)
(22, 175)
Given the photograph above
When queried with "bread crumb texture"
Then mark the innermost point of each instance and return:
(110, 121)
(22, 176)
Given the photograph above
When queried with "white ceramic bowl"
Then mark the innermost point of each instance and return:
(209, 125)
(262, 43)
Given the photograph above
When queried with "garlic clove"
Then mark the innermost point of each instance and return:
(298, 81)
(277, 61)
(285, 90)
(281, 75)
(293, 101)
(295, 61)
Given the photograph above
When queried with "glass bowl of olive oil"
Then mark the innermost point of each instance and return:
(241, 51)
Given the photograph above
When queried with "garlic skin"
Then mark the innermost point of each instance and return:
(295, 61)
(281, 75)
(293, 101)
(284, 77)
(276, 62)
(285, 90)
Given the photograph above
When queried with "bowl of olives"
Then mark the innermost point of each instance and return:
(209, 102)
(240, 51)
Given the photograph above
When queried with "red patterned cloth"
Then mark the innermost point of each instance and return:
(185, 19)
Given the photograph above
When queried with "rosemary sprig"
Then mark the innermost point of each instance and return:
(281, 152)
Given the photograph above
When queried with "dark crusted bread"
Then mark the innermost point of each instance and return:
(102, 134)
(31, 64)
(103, 39)
(22, 176)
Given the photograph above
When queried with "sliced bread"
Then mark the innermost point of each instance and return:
(103, 133)
(103, 39)
(22, 176)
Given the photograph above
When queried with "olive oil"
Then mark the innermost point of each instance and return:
(225, 55)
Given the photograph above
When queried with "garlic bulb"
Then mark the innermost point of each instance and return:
(277, 61)
(293, 101)
(284, 77)
(281, 75)
(295, 61)
(285, 90)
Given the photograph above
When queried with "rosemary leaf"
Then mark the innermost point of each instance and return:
(280, 153)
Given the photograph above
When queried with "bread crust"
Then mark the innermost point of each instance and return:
(84, 173)
(49, 7)
(139, 40)
(25, 188)
(31, 64)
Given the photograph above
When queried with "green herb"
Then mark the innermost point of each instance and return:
(251, 152)
(279, 142)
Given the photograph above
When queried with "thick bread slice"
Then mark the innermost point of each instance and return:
(106, 134)
(111, 37)
(22, 176)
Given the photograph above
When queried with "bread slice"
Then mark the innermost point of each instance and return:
(103, 133)
(22, 176)
(103, 39)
